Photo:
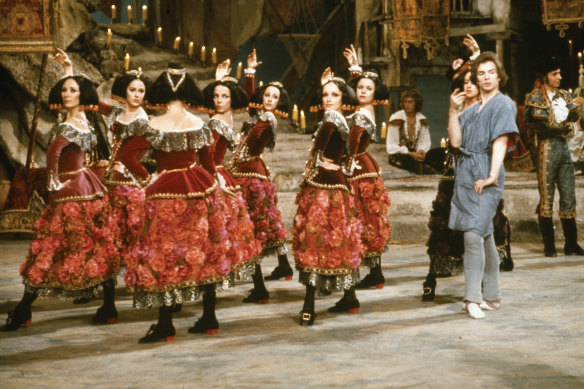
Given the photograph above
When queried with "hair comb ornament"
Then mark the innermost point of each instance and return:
(180, 81)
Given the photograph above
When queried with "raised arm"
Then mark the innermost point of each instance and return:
(252, 64)
(62, 58)
(454, 132)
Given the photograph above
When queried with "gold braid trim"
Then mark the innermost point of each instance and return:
(328, 272)
(545, 209)
(250, 175)
(78, 198)
(312, 172)
(364, 175)
(73, 171)
(181, 195)
(567, 215)
(112, 183)
(179, 285)
(59, 285)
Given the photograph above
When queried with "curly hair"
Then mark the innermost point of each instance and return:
(413, 94)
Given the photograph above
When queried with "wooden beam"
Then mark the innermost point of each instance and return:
(478, 30)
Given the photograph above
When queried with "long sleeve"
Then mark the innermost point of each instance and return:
(392, 142)
(322, 138)
(54, 153)
(249, 82)
(128, 155)
(105, 109)
(205, 155)
(355, 138)
(424, 141)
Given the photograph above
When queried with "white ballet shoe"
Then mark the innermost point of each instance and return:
(490, 305)
(474, 311)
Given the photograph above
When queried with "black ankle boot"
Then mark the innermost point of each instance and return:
(256, 296)
(208, 325)
(105, 315)
(571, 246)
(348, 303)
(17, 319)
(429, 287)
(371, 280)
(307, 314)
(259, 293)
(157, 333)
(208, 322)
(21, 316)
(163, 330)
(282, 270)
(546, 227)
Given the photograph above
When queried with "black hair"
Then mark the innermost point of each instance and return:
(257, 99)
(121, 83)
(183, 88)
(88, 97)
(239, 99)
(381, 94)
(349, 99)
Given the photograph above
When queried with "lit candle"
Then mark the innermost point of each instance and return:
(302, 120)
(239, 71)
(108, 39)
(114, 12)
(159, 33)
(580, 58)
(570, 91)
(203, 54)
(443, 143)
(261, 84)
(129, 14)
(570, 47)
(144, 14)
(127, 62)
(214, 56)
(295, 114)
(191, 49)
(176, 43)
(383, 130)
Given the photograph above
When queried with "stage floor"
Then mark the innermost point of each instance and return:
(536, 340)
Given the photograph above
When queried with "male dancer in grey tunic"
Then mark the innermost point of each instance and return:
(481, 136)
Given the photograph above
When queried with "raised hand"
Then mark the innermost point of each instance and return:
(456, 99)
(65, 62)
(326, 76)
(223, 69)
(252, 60)
(472, 45)
(351, 55)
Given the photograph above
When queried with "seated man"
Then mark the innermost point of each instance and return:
(408, 137)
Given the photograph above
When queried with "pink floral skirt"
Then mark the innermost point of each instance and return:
(262, 200)
(73, 250)
(326, 238)
(184, 244)
(127, 203)
(373, 203)
(245, 248)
